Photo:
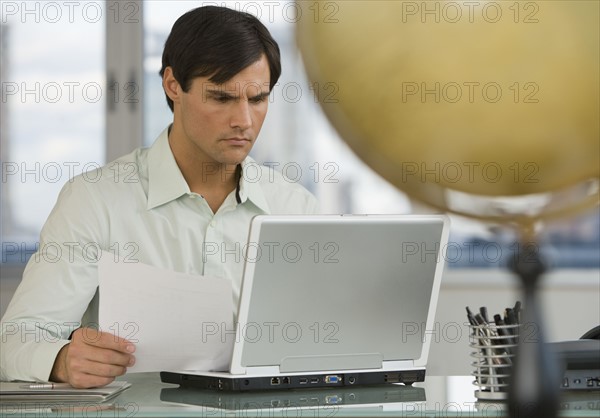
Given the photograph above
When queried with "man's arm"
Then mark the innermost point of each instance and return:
(58, 284)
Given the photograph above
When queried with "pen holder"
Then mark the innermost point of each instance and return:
(494, 348)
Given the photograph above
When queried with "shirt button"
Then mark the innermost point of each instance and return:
(212, 224)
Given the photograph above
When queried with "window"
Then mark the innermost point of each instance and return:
(296, 138)
(53, 127)
(52, 110)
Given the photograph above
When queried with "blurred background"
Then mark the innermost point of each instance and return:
(80, 86)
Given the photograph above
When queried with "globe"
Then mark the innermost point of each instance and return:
(485, 109)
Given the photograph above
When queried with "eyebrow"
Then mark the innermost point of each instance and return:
(225, 95)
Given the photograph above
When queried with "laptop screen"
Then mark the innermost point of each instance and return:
(339, 292)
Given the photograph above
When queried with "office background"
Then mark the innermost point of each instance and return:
(80, 86)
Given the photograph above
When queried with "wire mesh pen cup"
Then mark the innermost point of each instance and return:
(494, 348)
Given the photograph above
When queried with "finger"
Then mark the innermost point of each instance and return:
(107, 356)
(79, 354)
(94, 368)
(106, 340)
(84, 380)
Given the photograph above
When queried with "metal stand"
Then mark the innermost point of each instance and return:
(534, 386)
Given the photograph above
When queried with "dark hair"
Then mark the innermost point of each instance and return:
(217, 42)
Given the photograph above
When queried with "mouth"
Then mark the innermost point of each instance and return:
(237, 141)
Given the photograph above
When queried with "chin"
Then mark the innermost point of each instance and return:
(232, 160)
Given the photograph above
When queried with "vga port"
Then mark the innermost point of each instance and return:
(332, 379)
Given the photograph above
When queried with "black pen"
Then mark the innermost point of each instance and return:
(517, 311)
(507, 340)
(483, 312)
(509, 317)
(470, 317)
(480, 320)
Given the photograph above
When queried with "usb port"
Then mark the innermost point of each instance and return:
(314, 380)
(391, 378)
(303, 380)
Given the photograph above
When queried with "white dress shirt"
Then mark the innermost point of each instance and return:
(140, 208)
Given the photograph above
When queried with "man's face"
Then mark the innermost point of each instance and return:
(218, 123)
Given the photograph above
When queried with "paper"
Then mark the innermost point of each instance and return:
(167, 316)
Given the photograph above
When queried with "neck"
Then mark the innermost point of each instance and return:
(210, 179)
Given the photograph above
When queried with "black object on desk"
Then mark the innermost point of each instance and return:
(580, 361)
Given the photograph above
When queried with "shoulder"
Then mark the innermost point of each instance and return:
(284, 195)
(126, 172)
(92, 195)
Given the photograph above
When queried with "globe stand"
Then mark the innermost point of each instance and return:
(534, 386)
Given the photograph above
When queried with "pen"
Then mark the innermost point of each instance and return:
(507, 340)
(470, 317)
(510, 319)
(49, 385)
(487, 339)
(483, 312)
(517, 311)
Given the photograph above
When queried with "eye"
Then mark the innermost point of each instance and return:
(258, 99)
(222, 99)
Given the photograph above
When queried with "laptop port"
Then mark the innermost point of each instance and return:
(275, 381)
(286, 380)
(352, 380)
(303, 380)
(392, 378)
(314, 380)
(332, 379)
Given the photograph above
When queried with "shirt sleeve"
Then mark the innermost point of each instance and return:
(311, 206)
(58, 283)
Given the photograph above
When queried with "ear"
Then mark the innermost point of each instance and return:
(171, 85)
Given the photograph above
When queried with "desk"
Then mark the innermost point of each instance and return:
(437, 397)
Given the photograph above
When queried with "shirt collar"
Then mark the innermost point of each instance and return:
(165, 181)
(249, 184)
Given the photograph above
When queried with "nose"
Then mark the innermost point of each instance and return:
(241, 117)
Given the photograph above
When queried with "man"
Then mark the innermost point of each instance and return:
(160, 206)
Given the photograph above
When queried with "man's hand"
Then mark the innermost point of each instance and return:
(92, 359)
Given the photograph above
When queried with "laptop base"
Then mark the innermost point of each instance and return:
(248, 383)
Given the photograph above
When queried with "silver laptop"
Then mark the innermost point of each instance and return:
(333, 300)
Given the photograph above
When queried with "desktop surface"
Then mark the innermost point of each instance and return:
(436, 397)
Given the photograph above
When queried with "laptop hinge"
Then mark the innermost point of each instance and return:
(400, 365)
(331, 362)
(257, 371)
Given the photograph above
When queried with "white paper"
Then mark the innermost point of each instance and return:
(176, 321)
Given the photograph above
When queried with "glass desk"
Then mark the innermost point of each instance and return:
(451, 396)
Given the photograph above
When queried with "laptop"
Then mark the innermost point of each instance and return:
(333, 301)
